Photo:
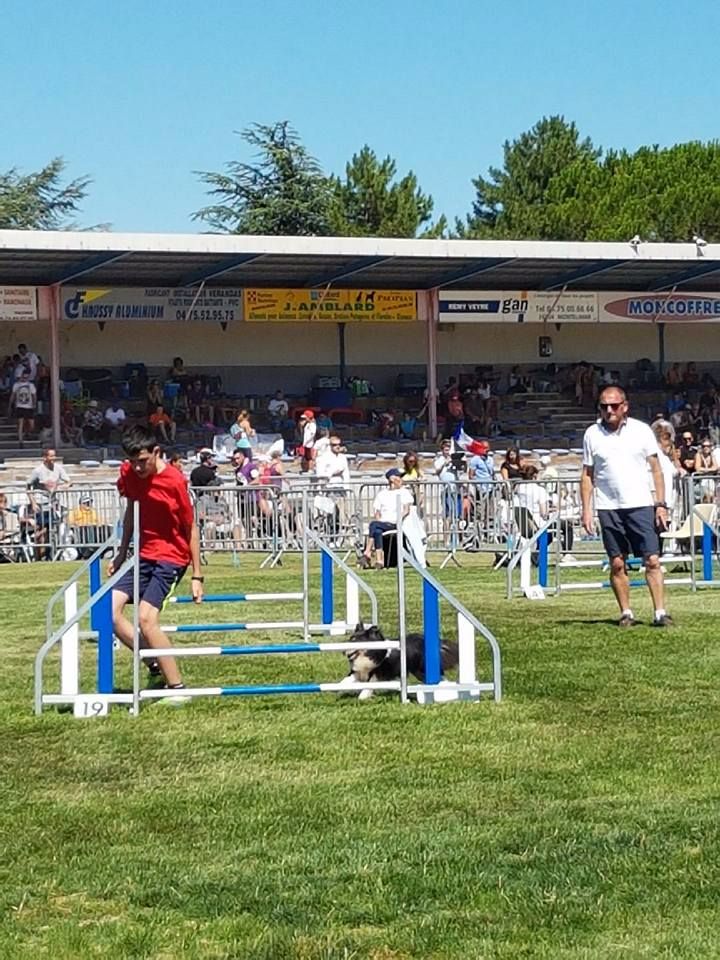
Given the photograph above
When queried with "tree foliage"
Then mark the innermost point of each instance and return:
(511, 202)
(555, 186)
(40, 201)
(370, 202)
(282, 192)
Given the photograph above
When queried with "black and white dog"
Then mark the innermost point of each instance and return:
(382, 665)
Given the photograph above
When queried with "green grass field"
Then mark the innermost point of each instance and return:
(576, 819)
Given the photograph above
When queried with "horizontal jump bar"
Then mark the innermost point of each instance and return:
(238, 597)
(152, 653)
(259, 690)
(60, 698)
(227, 627)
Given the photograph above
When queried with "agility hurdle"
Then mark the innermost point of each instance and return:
(436, 689)
(98, 607)
(522, 558)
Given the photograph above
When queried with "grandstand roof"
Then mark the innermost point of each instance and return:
(160, 260)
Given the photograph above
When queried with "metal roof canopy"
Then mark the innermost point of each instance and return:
(43, 258)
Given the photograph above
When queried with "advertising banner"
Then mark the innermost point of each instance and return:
(339, 306)
(151, 303)
(477, 306)
(18, 304)
(567, 307)
(623, 307)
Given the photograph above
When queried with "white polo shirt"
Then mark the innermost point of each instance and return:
(619, 462)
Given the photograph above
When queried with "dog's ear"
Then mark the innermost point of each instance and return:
(359, 627)
(375, 633)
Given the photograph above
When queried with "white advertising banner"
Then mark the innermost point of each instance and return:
(483, 306)
(567, 307)
(178, 304)
(623, 307)
(18, 304)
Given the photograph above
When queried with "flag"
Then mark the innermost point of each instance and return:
(467, 443)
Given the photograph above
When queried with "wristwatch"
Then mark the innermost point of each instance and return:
(661, 503)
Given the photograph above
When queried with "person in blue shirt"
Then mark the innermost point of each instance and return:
(481, 471)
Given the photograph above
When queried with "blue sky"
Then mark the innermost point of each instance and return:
(141, 94)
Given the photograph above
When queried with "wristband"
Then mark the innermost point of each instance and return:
(199, 579)
(661, 503)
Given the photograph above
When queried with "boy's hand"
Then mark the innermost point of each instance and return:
(196, 587)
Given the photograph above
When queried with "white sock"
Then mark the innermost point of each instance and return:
(628, 613)
(659, 613)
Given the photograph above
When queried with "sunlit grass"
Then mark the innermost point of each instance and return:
(578, 818)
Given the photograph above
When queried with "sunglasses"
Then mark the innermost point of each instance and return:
(611, 406)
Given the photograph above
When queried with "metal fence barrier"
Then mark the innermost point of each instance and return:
(459, 516)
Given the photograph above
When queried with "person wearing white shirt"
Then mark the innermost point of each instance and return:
(115, 416)
(385, 517)
(333, 466)
(617, 451)
(277, 410)
(531, 496)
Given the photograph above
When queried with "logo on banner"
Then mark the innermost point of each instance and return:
(73, 304)
(678, 306)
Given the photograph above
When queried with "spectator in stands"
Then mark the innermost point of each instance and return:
(28, 361)
(333, 465)
(669, 463)
(176, 461)
(245, 469)
(411, 467)
(9, 532)
(673, 377)
(691, 378)
(115, 417)
(407, 426)
(155, 396)
(277, 410)
(512, 466)
(45, 481)
(177, 372)
(517, 381)
(451, 387)
(70, 432)
(307, 446)
(386, 425)
(205, 473)
(273, 472)
(163, 424)
(706, 466)
(23, 403)
(531, 496)
(455, 414)
(242, 429)
(481, 468)
(200, 409)
(675, 403)
(94, 428)
(450, 469)
(324, 422)
(385, 517)
(88, 532)
(687, 451)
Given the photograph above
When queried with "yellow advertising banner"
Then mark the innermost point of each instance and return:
(339, 306)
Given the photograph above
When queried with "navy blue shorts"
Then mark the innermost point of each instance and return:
(158, 579)
(629, 532)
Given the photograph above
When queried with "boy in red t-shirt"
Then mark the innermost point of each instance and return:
(169, 541)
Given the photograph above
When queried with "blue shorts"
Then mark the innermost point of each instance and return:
(631, 531)
(158, 579)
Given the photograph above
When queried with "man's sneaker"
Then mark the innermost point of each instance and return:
(665, 621)
(627, 621)
(178, 699)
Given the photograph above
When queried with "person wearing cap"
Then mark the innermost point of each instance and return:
(94, 427)
(85, 526)
(307, 447)
(205, 473)
(385, 517)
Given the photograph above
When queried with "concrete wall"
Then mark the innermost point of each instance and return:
(255, 358)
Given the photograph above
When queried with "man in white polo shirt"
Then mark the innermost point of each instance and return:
(617, 451)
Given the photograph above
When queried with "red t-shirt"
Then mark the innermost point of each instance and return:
(166, 514)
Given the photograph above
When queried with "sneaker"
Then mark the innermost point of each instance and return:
(153, 668)
(627, 621)
(665, 621)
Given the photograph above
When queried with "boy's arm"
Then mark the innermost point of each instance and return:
(196, 583)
